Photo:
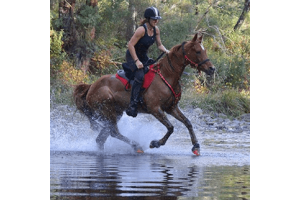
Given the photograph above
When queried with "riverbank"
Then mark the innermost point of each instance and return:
(202, 121)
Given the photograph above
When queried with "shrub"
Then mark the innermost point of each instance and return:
(57, 55)
(230, 102)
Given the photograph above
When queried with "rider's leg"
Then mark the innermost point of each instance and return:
(135, 92)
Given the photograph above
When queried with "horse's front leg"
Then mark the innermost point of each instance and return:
(160, 115)
(180, 116)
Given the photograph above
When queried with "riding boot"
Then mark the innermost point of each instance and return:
(135, 92)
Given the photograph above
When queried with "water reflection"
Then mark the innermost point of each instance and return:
(77, 175)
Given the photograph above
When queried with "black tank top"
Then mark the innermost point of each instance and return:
(142, 46)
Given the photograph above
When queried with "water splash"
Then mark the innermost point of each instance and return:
(70, 131)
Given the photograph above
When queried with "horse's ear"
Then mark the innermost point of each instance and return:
(195, 38)
(200, 38)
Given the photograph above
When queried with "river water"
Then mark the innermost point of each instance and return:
(78, 170)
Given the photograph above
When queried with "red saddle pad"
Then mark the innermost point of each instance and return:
(148, 78)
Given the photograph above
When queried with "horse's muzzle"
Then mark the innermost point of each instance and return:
(211, 70)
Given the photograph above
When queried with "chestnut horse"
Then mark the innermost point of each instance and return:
(104, 101)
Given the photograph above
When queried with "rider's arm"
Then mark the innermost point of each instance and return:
(160, 46)
(139, 33)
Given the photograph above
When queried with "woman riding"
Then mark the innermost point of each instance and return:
(136, 55)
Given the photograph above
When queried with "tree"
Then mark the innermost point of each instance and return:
(242, 17)
(79, 30)
(131, 22)
(66, 14)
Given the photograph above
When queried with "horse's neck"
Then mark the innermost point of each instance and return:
(173, 75)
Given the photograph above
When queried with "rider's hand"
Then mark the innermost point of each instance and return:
(139, 64)
(167, 51)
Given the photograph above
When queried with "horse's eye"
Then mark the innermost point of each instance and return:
(198, 52)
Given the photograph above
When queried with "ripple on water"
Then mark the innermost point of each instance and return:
(78, 174)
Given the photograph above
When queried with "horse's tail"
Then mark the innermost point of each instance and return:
(79, 96)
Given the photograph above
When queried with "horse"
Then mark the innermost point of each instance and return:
(104, 101)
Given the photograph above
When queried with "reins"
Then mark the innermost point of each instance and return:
(169, 61)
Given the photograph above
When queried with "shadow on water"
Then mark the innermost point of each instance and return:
(91, 175)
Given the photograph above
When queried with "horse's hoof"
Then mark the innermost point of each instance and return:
(196, 152)
(154, 144)
(137, 148)
(139, 151)
(196, 149)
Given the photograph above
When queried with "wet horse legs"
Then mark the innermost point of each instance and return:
(102, 137)
(160, 115)
(180, 116)
(116, 134)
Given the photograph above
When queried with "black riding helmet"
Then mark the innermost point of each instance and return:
(152, 13)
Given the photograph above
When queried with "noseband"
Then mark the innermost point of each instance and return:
(185, 56)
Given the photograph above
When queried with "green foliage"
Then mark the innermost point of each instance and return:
(87, 17)
(229, 50)
(60, 94)
(57, 55)
(230, 102)
(168, 36)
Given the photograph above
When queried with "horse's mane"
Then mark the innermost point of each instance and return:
(175, 48)
(173, 54)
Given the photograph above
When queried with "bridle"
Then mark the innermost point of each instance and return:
(185, 56)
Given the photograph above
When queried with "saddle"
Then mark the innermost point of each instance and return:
(148, 78)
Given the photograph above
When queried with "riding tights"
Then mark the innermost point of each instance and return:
(139, 75)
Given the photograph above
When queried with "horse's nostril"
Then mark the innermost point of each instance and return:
(212, 68)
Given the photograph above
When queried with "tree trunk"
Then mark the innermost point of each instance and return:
(196, 12)
(242, 17)
(75, 42)
(66, 12)
(92, 3)
(130, 21)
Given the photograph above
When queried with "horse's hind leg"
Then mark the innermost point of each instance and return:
(111, 129)
(180, 116)
(104, 104)
(116, 134)
(102, 137)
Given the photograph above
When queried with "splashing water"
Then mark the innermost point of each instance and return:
(70, 131)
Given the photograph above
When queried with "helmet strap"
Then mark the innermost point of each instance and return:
(150, 23)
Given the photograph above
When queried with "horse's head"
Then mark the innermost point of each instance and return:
(196, 55)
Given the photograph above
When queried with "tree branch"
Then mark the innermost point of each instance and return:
(207, 10)
(216, 28)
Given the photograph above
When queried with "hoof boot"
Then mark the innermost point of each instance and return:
(196, 149)
(154, 144)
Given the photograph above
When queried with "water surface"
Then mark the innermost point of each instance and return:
(78, 175)
(78, 170)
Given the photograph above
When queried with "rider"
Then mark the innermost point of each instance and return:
(136, 55)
